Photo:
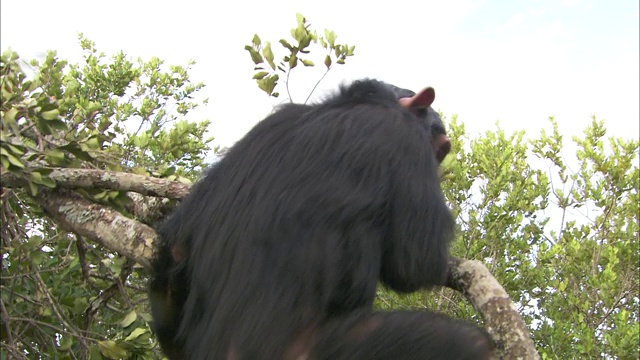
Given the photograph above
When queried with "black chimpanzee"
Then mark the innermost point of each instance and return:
(277, 251)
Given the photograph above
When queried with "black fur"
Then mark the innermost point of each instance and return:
(277, 251)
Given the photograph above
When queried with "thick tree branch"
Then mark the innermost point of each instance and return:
(148, 209)
(101, 179)
(502, 320)
(108, 227)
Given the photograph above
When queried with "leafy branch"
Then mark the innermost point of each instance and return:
(268, 72)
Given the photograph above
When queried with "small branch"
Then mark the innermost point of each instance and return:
(54, 305)
(286, 83)
(612, 308)
(7, 324)
(39, 324)
(81, 245)
(87, 178)
(97, 303)
(316, 85)
(502, 320)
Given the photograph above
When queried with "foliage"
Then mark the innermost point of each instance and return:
(587, 272)
(267, 76)
(105, 115)
(563, 243)
(64, 296)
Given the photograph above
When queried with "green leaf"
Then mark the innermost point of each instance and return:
(299, 34)
(65, 343)
(293, 61)
(95, 353)
(268, 55)
(75, 149)
(9, 116)
(55, 157)
(13, 159)
(562, 286)
(33, 188)
(301, 19)
(93, 143)
(307, 62)
(256, 40)
(255, 56)
(129, 319)
(58, 124)
(260, 75)
(10, 55)
(327, 61)
(141, 141)
(49, 182)
(169, 171)
(17, 149)
(43, 125)
(36, 257)
(136, 334)
(286, 44)
(268, 84)
(50, 115)
(101, 195)
(331, 37)
(36, 177)
(111, 350)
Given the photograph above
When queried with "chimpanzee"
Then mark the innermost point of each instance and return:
(277, 251)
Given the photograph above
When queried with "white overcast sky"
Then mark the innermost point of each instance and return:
(515, 61)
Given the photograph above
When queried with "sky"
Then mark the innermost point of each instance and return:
(517, 62)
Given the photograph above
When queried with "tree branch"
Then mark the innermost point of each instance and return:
(108, 227)
(502, 320)
(147, 209)
(88, 178)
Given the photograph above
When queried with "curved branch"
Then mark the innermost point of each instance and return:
(316, 85)
(114, 180)
(108, 227)
(502, 320)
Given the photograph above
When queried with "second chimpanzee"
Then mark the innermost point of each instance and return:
(277, 251)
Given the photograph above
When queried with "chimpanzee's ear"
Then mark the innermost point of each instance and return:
(421, 100)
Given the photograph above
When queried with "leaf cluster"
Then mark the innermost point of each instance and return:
(296, 51)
